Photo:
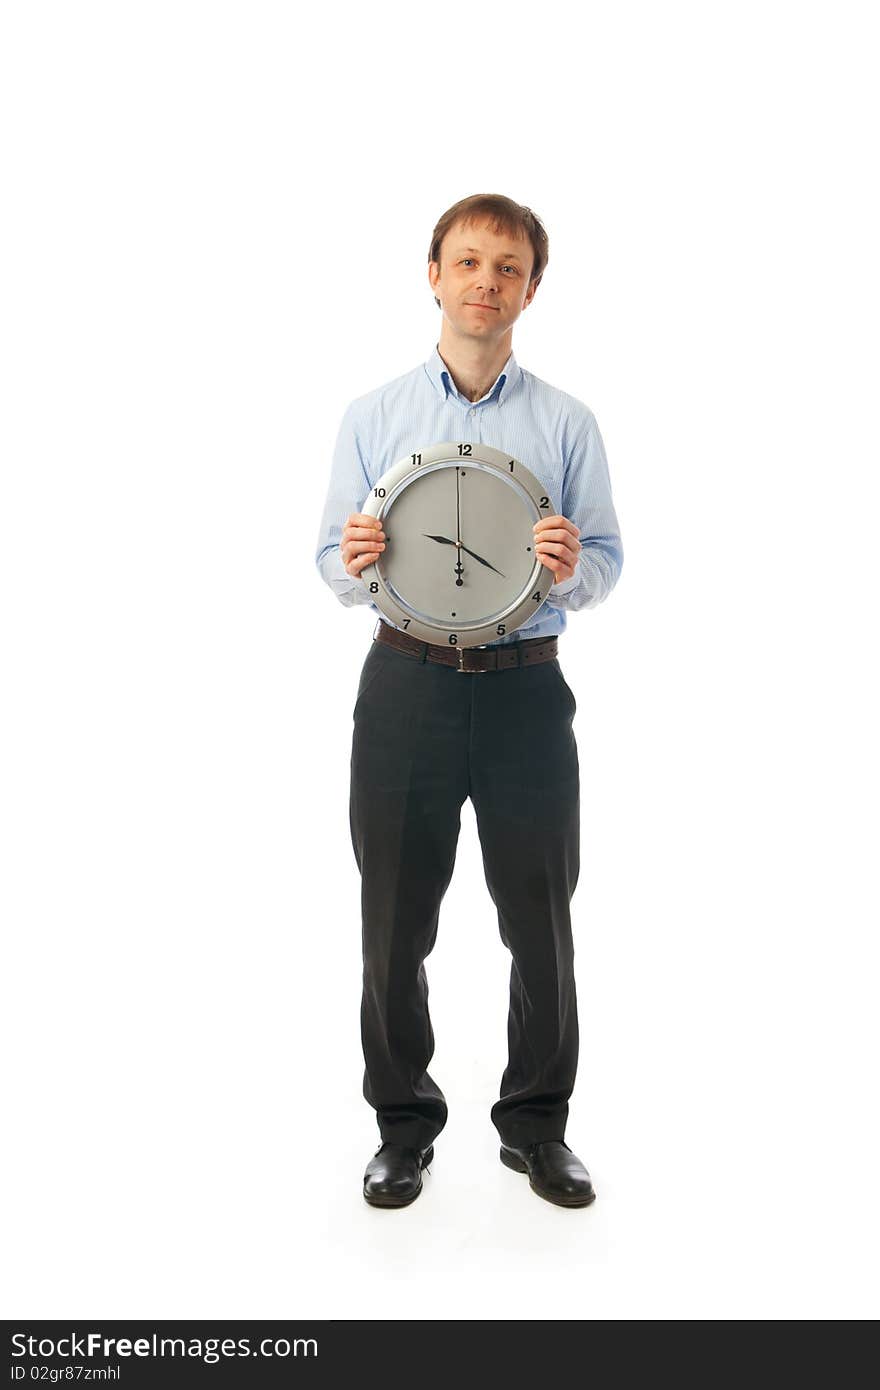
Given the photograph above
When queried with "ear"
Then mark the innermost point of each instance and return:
(433, 273)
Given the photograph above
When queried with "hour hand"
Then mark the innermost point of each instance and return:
(444, 540)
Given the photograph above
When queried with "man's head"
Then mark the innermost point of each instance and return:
(486, 251)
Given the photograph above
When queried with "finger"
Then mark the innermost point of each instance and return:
(556, 548)
(556, 523)
(556, 533)
(361, 562)
(363, 519)
(356, 549)
(362, 533)
(564, 538)
(558, 568)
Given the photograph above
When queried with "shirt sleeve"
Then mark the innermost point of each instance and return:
(587, 501)
(349, 486)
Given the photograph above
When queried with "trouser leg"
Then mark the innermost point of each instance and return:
(525, 789)
(408, 784)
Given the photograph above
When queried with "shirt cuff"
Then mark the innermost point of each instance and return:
(566, 586)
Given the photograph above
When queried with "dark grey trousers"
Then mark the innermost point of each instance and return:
(425, 738)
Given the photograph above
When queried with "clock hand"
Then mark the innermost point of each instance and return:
(458, 503)
(461, 544)
(459, 567)
(482, 561)
(444, 540)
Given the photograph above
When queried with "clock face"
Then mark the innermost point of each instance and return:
(459, 565)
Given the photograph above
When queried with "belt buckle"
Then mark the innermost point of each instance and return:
(470, 670)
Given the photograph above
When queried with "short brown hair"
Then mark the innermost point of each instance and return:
(506, 215)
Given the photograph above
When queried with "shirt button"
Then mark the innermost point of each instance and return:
(472, 412)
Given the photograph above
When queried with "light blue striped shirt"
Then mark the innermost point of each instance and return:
(549, 431)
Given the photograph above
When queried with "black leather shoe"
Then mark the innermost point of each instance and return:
(394, 1175)
(554, 1172)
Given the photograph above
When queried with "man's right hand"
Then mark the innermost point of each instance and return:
(362, 540)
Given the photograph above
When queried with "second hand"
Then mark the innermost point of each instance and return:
(459, 567)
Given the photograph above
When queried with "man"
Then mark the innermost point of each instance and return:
(426, 735)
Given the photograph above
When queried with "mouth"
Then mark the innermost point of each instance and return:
(493, 307)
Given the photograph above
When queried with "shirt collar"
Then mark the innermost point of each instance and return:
(444, 385)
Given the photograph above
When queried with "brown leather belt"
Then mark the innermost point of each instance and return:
(473, 659)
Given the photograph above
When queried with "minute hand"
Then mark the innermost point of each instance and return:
(444, 540)
(482, 561)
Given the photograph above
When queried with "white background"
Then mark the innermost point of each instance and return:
(215, 235)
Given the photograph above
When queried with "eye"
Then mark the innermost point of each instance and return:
(464, 260)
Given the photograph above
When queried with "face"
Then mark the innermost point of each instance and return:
(482, 280)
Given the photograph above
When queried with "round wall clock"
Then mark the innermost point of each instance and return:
(459, 564)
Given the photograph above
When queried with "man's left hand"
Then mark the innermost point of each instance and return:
(557, 545)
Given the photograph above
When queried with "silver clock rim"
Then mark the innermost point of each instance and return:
(389, 488)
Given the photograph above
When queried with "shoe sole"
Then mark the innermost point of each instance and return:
(513, 1161)
(389, 1200)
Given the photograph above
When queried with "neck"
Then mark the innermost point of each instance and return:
(473, 366)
